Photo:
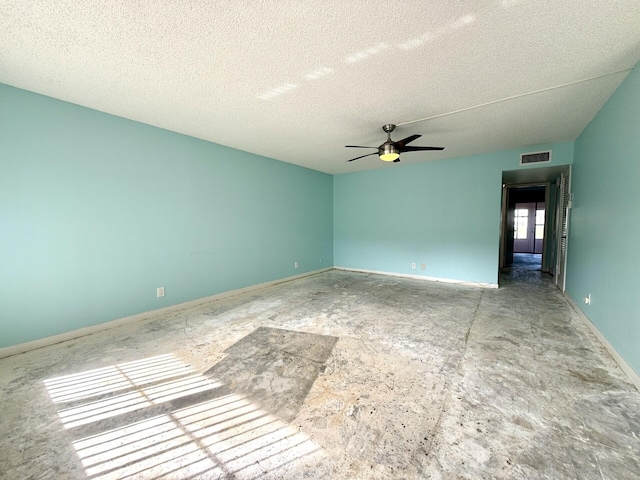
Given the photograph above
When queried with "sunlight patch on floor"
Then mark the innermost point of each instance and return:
(227, 435)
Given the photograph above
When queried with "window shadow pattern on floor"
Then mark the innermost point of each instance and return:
(158, 418)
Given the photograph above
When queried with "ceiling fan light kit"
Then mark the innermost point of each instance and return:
(390, 151)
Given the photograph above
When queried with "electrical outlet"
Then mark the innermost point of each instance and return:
(295, 265)
(413, 266)
(423, 266)
(160, 292)
(587, 299)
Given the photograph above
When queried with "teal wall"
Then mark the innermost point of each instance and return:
(97, 211)
(603, 255)
(445, 214)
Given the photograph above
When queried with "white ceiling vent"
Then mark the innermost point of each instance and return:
(535, 157)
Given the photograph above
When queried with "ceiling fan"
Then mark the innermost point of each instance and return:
(390, 151)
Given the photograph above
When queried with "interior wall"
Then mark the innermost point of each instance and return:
(509, 230)
(549, 260)
(603, 252)
(445, 214)
(97, 211)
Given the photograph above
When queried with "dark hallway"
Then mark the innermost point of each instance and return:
(526, 268)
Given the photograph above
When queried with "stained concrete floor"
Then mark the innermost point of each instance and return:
(338, 375)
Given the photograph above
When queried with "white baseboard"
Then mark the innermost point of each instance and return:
(624, 366)
(81, 332)
(420, 277)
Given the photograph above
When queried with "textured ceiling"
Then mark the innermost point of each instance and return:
(296, 80)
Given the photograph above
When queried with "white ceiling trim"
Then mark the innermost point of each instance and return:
(513, 97)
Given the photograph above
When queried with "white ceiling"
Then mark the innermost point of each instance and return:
(296, 80)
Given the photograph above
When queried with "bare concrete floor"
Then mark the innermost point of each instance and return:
(338, 375)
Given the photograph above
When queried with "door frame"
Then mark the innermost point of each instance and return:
(506, 187)
(503, 226)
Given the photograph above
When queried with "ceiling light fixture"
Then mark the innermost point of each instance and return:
(388, 152)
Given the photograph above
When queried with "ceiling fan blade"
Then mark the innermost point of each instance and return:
(367, 155)
(404, 141)
(357, 146)
(419, 149)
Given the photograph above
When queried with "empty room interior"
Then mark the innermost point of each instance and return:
(299, 239)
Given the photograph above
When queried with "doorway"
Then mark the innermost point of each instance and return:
(524, 224)
(537, 237)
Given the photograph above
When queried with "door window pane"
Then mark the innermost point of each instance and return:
(521, 223)
(539, 224)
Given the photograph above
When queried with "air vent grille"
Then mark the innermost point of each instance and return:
(535, 157)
